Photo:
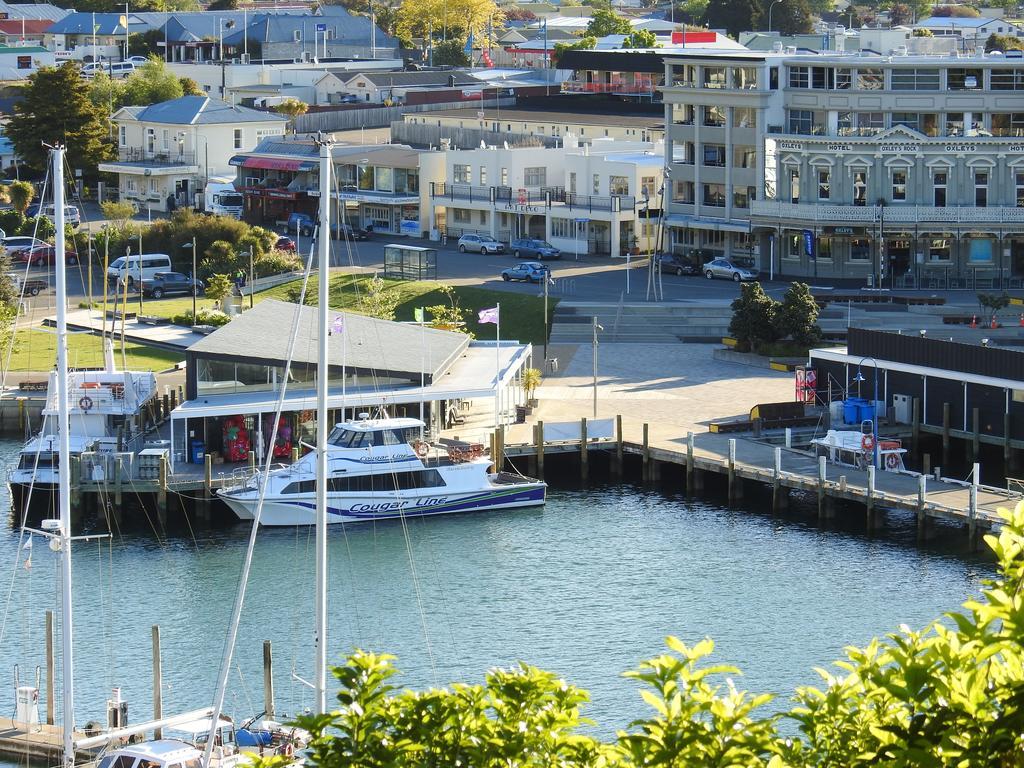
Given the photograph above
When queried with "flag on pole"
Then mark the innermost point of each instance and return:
(27, 544)
(337, 326)
(468, 50)
(418, 315)
(488, 315)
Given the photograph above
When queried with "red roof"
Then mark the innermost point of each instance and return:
(32, 26)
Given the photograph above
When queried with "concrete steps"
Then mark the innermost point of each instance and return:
(647, 323)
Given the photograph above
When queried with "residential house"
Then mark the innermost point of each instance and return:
(23, 60)
(972, 32)
(23, 31)
(167, 151)
(395, 87)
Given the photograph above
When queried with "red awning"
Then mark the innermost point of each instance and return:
(275, 164)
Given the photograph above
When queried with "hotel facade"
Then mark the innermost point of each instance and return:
(896, 171)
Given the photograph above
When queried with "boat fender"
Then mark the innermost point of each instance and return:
(421, 449)
(867, 442)
(289, 749)
(85, 403)
(892, 461)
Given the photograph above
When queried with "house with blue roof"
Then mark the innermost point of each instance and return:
(168, 151)
(973, 32)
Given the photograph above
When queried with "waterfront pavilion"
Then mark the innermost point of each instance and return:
(235, 376)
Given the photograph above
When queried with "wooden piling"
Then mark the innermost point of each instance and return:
(972, 523)
(204, 507)
(646, 465)
(21, 415)
(161, 494)
(915, 425)
(540, 449)
(778, 495)
(945, 434)
(165, 401)
(584, 451)
(731, 470)
(689, 462)
(976, 435)
(174, 400)
(922, 498)
(619, 452)
(158, 681)
(821, 487)
(501, 447)
(50, 703)
(268, 680)
(76, 485)
(118, 483)
(869, 502)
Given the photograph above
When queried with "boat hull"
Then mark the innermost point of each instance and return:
(280, 511)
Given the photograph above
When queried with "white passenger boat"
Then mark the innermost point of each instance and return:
(854, 448)
(378, 469)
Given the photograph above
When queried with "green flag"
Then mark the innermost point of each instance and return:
(417, 314)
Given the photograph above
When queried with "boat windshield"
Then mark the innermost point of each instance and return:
(350, 438)
(28, 461)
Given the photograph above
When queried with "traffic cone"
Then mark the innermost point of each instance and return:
(1022, 321)
(974, 321)
(994, 323)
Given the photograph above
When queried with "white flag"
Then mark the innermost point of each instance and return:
(27, 544)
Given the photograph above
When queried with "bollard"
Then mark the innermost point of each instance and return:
(842, 483)
(584, 451)
(789, 437)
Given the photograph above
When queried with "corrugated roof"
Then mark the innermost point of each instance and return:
(404, 79)
(34, 11)
(371, 346)
(26, 26)
(956, 21)
(342, 28)
(201, 110)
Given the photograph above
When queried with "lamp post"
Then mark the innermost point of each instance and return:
(874, 406)
(192, 245)
(770, 9)
(221, 25)
(249, 254)
(548, 280)
(596, 328)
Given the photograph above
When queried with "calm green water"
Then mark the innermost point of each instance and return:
(586, 586)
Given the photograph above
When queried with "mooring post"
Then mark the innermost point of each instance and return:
(821, 487)
(21, 414)
(732, 470)
(871, 497)
(76, 484)
(915, 424)
(49, 669)
(501, 446)
(619, 450)
(166, 400)
(789, 437)
(926, 464)
(268, 680)
(158, 681)
(689, 462)
(777, 497)
(922, 498)
(118, 471)
(161, 494)
(976, 436)
(972, 524)
(531, 456)
(540, 450)
(174, 400)
(945, 434)
(584, 450)
(645, 471)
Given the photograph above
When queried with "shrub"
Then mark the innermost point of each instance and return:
(276, 262)
(212, 317)
(753, 318)
(217, 287)
(797, 317)
(39, 226)
(12, 221)
(219, 258)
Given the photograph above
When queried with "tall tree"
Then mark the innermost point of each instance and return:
(292, 108)
(640, 38)
(791, 17)
(151, 83)
(734, 16)
(446, 19)
(607, 23)
(56, 108)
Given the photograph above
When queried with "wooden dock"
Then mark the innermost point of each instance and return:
(41, 742)
(745, 460)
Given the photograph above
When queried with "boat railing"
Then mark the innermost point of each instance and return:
(101, 467)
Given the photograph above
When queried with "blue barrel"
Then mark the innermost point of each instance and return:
(851, 410)
(198, 449)
(867, 411)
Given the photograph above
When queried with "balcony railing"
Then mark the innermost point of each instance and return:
(139, 155)
(645, 88)
(888, 214)
(600, 202)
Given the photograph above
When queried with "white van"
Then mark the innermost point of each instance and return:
(138, 267)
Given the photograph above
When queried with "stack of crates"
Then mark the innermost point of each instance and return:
(149, 462)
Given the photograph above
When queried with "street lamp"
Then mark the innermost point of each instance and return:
(223, 24)
(770, 9)
(192, 245)
(249, 254)
(874, 406)
(548, 280)
(596, 328)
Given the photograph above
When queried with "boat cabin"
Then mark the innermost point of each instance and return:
(372, 433)
(162, 753)
(197, 732)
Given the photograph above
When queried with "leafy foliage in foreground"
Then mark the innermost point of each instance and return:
(949, 695)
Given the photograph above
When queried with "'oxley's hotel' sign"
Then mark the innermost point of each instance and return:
(900, 148)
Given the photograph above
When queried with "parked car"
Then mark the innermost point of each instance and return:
(676, 265)
(44, 254)
(31, 286)
(528, 248)
(530, 271)
(13, 245)
(169, 283)
(345, 231)
(480, 244)
(285, 244)
(72, 215)
(726, 269)
(301, 223)
(349, 98)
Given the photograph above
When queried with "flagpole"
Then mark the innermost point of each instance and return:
(497, 370)
(423, 375)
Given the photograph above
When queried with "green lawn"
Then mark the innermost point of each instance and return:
(522, 315)
(36, 350)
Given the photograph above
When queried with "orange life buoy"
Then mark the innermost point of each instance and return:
(867, 442)
(421, 449)
(85, 403)
(892, 461)
(289, 749)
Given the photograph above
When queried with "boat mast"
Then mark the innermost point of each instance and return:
(64, 456)
(322, 427)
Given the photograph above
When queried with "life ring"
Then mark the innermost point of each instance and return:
(892, 461)
(421, 449)
(85, 403)
(867, 442)
(289, 749)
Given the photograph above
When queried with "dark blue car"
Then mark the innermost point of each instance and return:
(530, 271)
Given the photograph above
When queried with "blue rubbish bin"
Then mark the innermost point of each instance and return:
(867, 411)
(198, 449)
(852, 410)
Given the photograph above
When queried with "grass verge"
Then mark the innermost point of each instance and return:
(36, 350)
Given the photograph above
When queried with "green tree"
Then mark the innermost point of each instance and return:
(377, 299)
(584, 43)
(21, 194)
(223, 5)
(106, 93)
(56, 108)
(691, 10)
(608, 22)
(152, 83)
(146, 43)
(791, 17)
(753, 318)
(117, 211)
(190, 87)
(451, 53)
(797, 316)
(900, 13)
(218, 287)
(292, 108)
(734, 16)
(997, 42)
(955, 11)
(641, 38)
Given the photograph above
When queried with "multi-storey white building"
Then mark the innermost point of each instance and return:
(897, 170)
(602, 198)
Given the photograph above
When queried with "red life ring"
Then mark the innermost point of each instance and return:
(867, 442)
(85, 403)
(892, 461)
(421, 449)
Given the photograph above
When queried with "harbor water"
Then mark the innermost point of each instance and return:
(586, 586)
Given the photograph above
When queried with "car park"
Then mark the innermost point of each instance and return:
(39, 255)
(529, 248)
(480, 244)
(170, 283)
(528, 271)
(727, 270)
(16, 244)
(676, 265)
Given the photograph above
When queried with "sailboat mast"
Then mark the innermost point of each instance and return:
(322, 427)
(64, 456)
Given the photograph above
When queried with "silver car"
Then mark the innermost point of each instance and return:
(480, 244)
(726, 269)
